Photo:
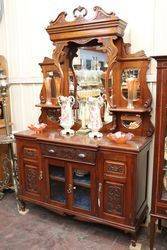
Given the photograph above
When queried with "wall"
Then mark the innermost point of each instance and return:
(25, 42)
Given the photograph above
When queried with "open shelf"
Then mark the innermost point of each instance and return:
(127, 110)
(83, 181)
(57, 178)
(43, 105)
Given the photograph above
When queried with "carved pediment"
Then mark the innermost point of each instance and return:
(81, 27)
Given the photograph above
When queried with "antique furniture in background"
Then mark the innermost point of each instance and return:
(92, 179)
(5, 171)
(159, 189)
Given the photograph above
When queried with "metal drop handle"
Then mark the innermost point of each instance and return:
(40, 175)
(69, 189)
(51, 151)
(99, 192)
(82, 155)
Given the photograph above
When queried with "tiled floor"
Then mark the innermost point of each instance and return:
(42, 229)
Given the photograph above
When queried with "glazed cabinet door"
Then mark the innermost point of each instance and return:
(56, 182)
(30, 172)
(82, 188)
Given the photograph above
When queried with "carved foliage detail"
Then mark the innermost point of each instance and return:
(30, 153)
(31, 177)
(116, 169)
(115, 199)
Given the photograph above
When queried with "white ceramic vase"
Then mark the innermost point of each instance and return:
(67, 116)
(95, 121)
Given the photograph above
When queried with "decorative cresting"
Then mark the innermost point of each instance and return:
(60, 29)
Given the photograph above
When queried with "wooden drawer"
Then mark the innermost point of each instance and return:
(115, 168)
(68, 153)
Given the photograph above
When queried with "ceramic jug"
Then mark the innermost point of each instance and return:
(95, 121)
(67, 116)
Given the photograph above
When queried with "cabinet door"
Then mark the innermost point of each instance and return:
(83, 188)
(112, 188)
(30, 174)
(56, 182)
(31, 181)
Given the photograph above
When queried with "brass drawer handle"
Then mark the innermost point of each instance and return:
(82, 155)
(69, 189)
(51, 151)
(40, 175)
(99, 193)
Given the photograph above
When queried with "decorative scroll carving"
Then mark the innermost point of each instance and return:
(99, 14)
(31, 178)
(112, 52)
(59, 20)
(6, 164)
(115, 199)
(82, 12)
(126, 52)
(59, 57)
(148, 102)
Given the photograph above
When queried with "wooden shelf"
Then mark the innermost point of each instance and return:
(57, 178)
(127, 110)
(43, 105)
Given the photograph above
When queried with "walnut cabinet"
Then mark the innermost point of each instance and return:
(92, 179)
(99, 182)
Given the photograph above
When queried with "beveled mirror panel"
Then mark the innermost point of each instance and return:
(131, 121)
(130, 90)
(90, 65)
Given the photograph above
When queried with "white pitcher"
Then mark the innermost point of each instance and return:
(67, 116)
(95, 121)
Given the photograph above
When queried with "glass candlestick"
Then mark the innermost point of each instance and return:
(48, 80)
(131, 83)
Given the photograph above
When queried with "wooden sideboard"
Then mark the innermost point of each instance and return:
(93, 179)
(112, 188)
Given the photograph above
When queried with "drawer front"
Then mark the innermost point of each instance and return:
(115, 168)
(67, 153)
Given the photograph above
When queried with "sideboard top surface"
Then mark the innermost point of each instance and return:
(53, 136)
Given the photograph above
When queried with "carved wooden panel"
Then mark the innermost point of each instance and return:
(30, 153)
(115, 168)
(114, 198)
(68, 153)
(31, 178)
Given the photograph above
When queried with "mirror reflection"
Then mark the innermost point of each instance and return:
(131, 91)
(131, 121)
(90, 65)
